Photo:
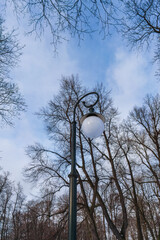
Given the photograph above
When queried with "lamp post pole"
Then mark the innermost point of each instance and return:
(73, 187)
(73, 175)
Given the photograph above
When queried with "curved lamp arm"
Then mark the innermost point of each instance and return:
(87, 106)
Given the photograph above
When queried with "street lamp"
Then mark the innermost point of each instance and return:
(92, 125)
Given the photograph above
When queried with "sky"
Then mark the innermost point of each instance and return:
(128, 74)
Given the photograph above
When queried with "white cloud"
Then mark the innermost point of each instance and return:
(40, 71)
(130, 77)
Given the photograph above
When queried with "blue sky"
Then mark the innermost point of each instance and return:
(128, 74)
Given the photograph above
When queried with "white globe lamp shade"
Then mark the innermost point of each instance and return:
(92, 125)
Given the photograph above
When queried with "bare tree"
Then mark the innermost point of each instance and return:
(5, 205)
(10, 50)
(141, 25)
(18, 208)
(142, 21)
(11, 101)
(142, 155)
(146, 140)
(53, 166)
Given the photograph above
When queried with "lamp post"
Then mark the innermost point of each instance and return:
(92, 125)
